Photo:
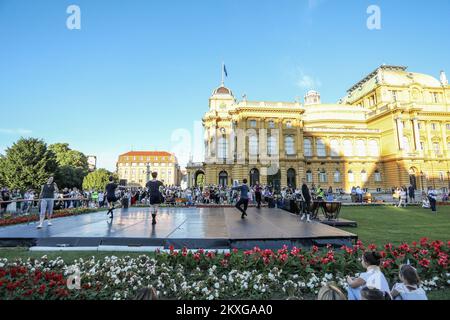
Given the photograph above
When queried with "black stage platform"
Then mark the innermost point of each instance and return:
(208, 228)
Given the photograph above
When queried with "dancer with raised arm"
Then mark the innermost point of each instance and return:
(47, 197)
(243, 199)
(154, 190)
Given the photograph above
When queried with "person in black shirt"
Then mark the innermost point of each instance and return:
(307, 201)
(110, 192)
(154, 190)
(243, 199)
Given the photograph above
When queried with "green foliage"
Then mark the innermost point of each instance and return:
(96, 180)
(72, 166)
(27, 164)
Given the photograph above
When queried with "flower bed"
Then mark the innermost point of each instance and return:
(11, 220)
(253, 274)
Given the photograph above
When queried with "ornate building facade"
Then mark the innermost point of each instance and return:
(135, 167)
(391, 129)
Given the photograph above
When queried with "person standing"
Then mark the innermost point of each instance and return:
(154, 188)
(47, 197)
(411, 192)
(432, 196)
(110, 191)
(258, 195)
(307, 201)
(243, 200)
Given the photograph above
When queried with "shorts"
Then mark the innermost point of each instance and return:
(112, 199)
(154, 199)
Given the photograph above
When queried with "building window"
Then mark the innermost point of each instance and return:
(348, 148)
(134, 158)
(253, 123)
(223, 148)
(378, 189)
(351, 177)
(434, 126)
(272, 145)
(307, 147)
(406, 146)
(289, 145)
(436, 148)
(361, 148)
(441, 176)
(377, 176)
(271, 124)
(309, 176)
(435, 97)
(322, 176)
(334, 148)
(321, 152)
(337, 176)
(373, 148)
(422, 145)
(394, 95)
(363, 176)
(142, 158)
(289, 124)
(253, 145)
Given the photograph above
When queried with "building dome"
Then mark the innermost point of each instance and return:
(312, 97)
(222, 90)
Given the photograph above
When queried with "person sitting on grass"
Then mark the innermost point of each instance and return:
(425, 201)
(331, 292)
(373, 278)
(373, 294)
(409, 288)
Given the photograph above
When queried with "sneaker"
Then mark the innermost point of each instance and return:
(303, 217)
(49, 223)
(243, 216)
(39, 226)
(308, 219)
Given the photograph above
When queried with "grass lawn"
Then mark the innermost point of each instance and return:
(384, 224)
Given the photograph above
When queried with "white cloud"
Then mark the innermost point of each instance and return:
(305, 81)
(18, 131)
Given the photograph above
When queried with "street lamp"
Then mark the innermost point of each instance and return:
(421, 180)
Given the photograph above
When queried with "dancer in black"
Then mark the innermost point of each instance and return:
(110, 192)
(307, 201)
(153, 187)
(258, 195)
(243, 199)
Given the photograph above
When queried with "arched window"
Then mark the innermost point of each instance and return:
(289, 145)
(351, 177)
(337, 176)
(361, 148)
(377, 176)
(222, 151)
(348, 148)
(373, 148)
(291, 180)
(272, 147)
(223, 179)
(335, 149)
(406, 146)
(309, 176)
(436, 148)
(307, 147)
(253, 145)
(322, 176)
(363, 176)
(321, 152)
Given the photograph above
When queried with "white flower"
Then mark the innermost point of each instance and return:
(217, 285)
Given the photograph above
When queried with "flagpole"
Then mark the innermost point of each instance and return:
(223, 70)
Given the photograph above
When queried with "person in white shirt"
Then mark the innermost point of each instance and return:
(373, 278)
(409, 288)
(432, 197)
(402, 198)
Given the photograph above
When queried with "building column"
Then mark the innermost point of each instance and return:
(416, 134)
(399, 132)
(444, 139)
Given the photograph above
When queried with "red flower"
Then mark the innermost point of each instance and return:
(424, 263)
(227, 255)
(424, 242)
(42, 289)
(372, 247)
(386, 263)
(383, 254)
(388, 246)
(235, 250)
(325, 260)
(283, 258)
(423, 252)
(315, 249)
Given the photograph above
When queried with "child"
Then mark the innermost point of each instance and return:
(373, 278)
(409, 288)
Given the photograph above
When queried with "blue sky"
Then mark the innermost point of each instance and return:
(138, 70)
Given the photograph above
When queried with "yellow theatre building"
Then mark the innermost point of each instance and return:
(391, 129)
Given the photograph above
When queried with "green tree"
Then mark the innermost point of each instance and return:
(97, 180)
(27, 164)
(72, 166)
